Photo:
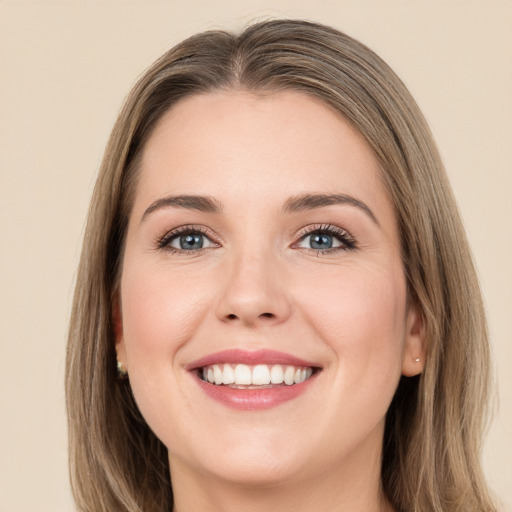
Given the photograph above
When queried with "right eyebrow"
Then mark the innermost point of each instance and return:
(191, 202)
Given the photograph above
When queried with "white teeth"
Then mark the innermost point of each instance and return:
(228, 375)
(259, 375)
(276, 374)
(288, 375)
(243, 374)
(217, 374)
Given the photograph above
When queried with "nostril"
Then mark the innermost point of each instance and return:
(232, 316)
(268, 315)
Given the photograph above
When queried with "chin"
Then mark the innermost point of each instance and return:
(256, 473)
(263, 461)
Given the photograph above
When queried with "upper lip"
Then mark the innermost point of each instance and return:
(251, 358)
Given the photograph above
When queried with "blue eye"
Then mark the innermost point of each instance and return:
(188, 242)
(186, 239)
(321, 241)
(327, 239)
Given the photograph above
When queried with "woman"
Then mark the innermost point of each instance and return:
(275, 259)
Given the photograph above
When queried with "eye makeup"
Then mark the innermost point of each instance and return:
(321, 238)
(326, 234)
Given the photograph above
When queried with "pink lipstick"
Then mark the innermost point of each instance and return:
(253, 380)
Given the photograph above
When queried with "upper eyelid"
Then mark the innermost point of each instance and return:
(191, 228)
(329, 228)
(215, 238)
(162, 241)
(344, 236)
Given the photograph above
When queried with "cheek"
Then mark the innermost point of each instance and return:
(161, 312)
(161, 309)
(360, 314)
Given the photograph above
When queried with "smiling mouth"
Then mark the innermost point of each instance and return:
(260, 376)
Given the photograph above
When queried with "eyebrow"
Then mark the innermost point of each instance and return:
(201, 203)
(312, 201)
(293, 204)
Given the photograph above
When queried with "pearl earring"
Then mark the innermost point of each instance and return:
(121, 371)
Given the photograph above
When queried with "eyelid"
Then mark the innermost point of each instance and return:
(347, 240)
(162, 242)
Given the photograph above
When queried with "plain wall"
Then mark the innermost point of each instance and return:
(65, 67)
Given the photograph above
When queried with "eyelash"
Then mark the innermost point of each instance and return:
(347, 241)
(164, 242)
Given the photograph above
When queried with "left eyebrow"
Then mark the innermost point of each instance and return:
(312, 201)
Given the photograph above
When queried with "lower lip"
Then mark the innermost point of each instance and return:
(254, 399)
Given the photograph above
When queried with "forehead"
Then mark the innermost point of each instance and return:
(239, 147)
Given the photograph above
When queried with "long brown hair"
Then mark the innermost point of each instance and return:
(434, 424)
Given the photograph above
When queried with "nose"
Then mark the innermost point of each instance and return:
(254, 291)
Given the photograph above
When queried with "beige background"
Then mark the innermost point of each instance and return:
(65, 67)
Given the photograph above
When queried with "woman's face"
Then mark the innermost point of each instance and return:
(263, 254)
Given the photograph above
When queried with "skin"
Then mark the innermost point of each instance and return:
(259, 284)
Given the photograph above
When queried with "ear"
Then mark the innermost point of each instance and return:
(117, 322)
(414, 352)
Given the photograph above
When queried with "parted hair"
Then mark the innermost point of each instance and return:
(434, 426)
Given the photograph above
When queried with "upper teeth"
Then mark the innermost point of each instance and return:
(259, 375)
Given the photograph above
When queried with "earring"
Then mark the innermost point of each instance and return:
(121, 371)
(417, 360)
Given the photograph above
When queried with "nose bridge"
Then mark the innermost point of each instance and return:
(254, 288)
